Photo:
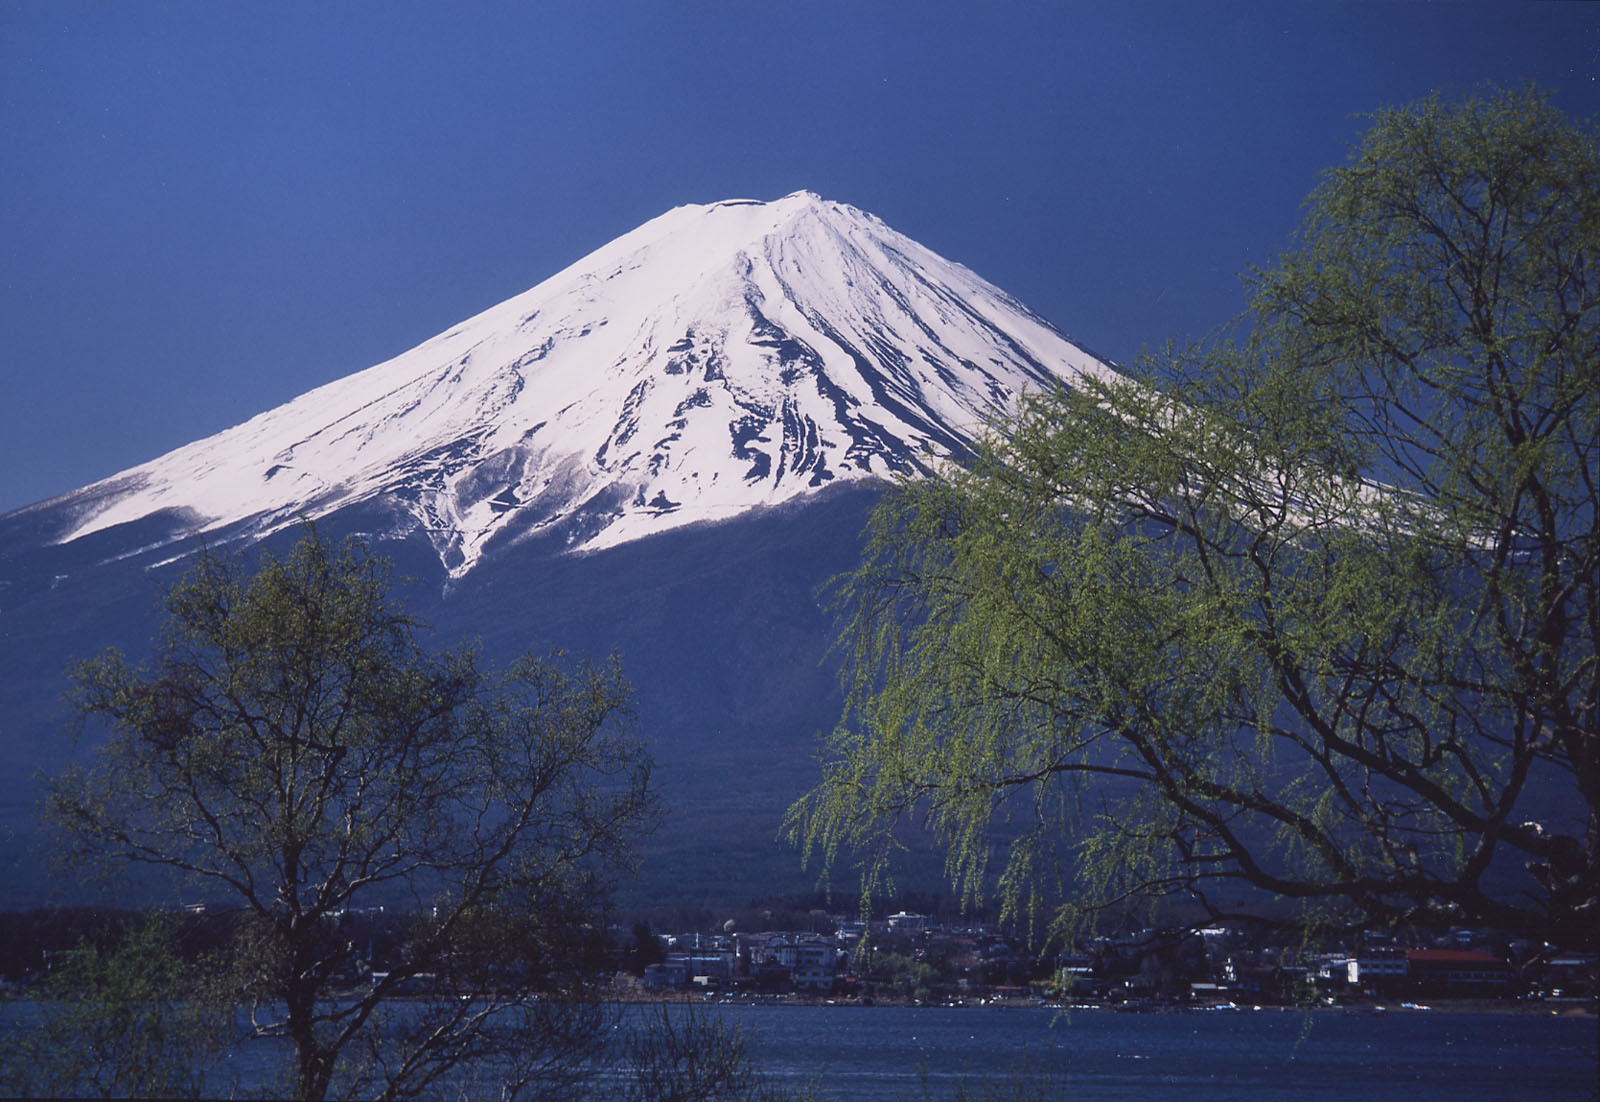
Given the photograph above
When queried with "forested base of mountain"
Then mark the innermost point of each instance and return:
(723, 631)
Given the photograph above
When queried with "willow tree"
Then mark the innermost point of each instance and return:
(292, 752)
(1310, 611)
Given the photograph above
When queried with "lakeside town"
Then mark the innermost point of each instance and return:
(780, 953)
(913, 958)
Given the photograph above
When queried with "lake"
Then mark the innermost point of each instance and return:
(914, 1053)
(1404, 1056)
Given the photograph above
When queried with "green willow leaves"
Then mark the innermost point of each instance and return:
(1309, 613)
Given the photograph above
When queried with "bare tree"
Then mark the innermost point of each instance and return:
(292, 750)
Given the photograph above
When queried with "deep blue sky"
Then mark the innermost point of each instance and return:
(207, 208)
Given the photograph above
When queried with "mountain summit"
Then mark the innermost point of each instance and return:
(717, 359)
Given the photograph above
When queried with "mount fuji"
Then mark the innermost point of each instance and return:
(717, 359)
(664, 449)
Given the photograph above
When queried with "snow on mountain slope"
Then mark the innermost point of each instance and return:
(716, 359)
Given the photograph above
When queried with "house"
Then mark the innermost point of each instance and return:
(1570, 975)
(816, 979)
(811, 963)
(669, 974)
(709, 963)
(804, 953)
(850, 932)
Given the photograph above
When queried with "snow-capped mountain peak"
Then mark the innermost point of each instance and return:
(716, 359)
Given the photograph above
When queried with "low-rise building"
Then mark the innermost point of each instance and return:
(1457, 972)
(1377, 966)
(804, 953)
(668, 974)
(813, 979)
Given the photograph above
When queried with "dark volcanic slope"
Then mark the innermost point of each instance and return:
(720, 628)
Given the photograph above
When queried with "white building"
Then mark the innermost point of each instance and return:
(1376, 964)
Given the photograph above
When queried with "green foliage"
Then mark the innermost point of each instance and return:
(1312, 611)
(293, 751)
(905, 977)
(130, 1020)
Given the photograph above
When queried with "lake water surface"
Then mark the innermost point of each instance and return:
(1404, 1056)
(852, 1052)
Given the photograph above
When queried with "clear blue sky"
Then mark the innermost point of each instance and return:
(207, 208)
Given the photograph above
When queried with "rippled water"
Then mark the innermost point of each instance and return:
(848, 1052)
(889, 1052)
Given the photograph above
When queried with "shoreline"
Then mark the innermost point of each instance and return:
(1543, 1008)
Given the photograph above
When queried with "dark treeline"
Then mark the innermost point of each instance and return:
(31, 940)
